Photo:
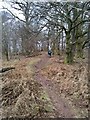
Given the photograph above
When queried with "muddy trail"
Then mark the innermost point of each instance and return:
(61, 106)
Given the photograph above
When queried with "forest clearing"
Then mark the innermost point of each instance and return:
(44, 61)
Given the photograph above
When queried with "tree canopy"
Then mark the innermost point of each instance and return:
(61, 25)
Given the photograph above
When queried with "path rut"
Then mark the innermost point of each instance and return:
(62, 108)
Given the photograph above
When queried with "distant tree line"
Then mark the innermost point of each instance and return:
(63, 26)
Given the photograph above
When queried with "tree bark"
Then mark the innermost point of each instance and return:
(69, 53)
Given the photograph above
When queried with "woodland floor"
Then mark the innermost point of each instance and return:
(44, 87)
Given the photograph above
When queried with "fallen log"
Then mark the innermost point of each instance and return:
(6, 69)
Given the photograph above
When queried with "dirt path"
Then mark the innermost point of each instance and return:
(62, 107)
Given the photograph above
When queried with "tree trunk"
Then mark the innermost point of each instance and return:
(53, 47)
(62, 41)
(7, 56)
(79, 48)
(79, 42)
(69, 53)
(7, 51)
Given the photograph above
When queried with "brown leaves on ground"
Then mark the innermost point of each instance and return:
(20, 69)
(71, 80)
(21, 95)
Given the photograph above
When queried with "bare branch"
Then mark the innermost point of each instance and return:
(13, 14)
(81, 22)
